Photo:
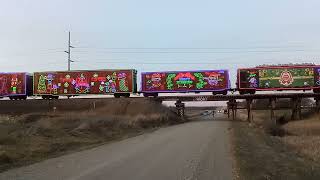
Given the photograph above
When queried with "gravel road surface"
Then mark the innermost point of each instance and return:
(195, 150)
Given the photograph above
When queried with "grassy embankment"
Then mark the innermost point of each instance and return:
(293, 155)
(33, 133)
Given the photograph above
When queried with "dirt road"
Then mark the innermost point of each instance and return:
(195, 150)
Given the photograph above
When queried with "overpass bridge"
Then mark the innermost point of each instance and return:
(233, 102)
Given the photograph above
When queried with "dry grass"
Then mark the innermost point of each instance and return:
(305, 137)
(259, 155)
(307, 127)
(29, 137)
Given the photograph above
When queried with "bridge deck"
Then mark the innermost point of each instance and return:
(237, 96)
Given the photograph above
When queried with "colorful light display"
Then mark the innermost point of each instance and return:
(317, 76)
(84, 82)
(280, 77)
(185, 81)
(12, 84)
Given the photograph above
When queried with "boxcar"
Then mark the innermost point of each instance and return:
(94, 82)
(215, 81)
(15, 85)
(270, 78)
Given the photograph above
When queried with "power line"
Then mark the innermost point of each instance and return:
(165, 63)
(188, 48)
(193, 52)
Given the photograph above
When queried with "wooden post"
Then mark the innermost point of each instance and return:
(249, 109)
(234, 109)
(233, 114)
(232, 104)
(50, 104)
(317, 107)
(213, 111)
(294, 102)
(272, 107)
(159, 100)
(299, 108)
(229, 106)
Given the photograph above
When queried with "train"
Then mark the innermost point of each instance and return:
(215, 81)
(278, 78)
(52, 84)
(16, 85)
(95, 82)
(123, 82)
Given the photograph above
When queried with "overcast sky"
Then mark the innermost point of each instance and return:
(158, 35)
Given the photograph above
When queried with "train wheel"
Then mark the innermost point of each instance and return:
(224, 92)
(127, 95)
(116, 95)
(11, 98)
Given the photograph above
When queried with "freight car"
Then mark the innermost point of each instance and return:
(15, 85)
(215, 81)
(53, 84)
(278, 78)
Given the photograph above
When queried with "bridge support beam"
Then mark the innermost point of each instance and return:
(234, 109)
(317, 104)
(158, 101)
(229, 106)
(317, 110)
(272, 108)
(180, 108)
(296, 108)
(299, 108)
(249, 109)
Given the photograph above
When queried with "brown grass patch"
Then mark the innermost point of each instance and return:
(260, 156)
(294, 155)
(305, 137)
(29, 137)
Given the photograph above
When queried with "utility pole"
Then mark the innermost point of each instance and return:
(69, 52)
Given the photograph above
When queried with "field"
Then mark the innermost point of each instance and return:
(266, 151)
(35, 130)
(304, 137)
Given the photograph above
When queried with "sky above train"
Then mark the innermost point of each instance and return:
(157, 35)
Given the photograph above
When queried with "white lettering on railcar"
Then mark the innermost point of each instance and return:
(201, 98)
